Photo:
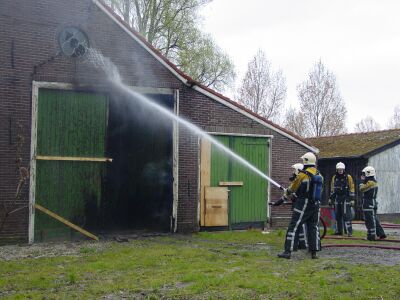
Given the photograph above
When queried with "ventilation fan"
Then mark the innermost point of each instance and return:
(73, 42)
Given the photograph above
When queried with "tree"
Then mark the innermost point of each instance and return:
(171, 26)
(207, 63)
(295, 121)
(367, 124)
(262, 91)
(321, 103)
(394, 121)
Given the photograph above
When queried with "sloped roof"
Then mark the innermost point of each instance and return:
(187, 80)
(355, 144)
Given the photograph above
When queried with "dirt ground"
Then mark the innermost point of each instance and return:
(351, 255)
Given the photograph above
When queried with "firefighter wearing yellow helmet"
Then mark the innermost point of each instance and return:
(369, 188)
(305, 208)
(342, 197)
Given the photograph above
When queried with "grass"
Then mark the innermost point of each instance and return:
(223, 265)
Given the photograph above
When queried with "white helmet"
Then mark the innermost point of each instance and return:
(369, 171)
(309, 158)
(297, 168)
(340, 165)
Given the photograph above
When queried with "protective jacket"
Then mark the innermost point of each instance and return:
(342, 187)
(369, 188)
(301, 184)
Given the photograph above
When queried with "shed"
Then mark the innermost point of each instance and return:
(380, 149)
(75, 144)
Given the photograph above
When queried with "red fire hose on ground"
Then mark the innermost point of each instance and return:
(360, 246)
(384, 225)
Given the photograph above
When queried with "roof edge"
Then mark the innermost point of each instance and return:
(352, 133)
(187, 80)
(381, 149)
(237, 107)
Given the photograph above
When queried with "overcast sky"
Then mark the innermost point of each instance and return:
(358, 40)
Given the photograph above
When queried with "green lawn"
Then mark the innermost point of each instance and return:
(224, 265)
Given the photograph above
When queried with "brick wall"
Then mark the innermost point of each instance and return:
(29, 51)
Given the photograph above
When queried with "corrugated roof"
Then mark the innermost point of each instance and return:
(355, 144)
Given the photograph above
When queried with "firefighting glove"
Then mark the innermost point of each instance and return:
(352, 203)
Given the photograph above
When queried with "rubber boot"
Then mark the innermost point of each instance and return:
(314, 255)
(382, 237)
(285, 254)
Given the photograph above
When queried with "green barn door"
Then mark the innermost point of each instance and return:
(247, 203)
(71, 131)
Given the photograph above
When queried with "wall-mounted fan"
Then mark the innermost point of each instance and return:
(73, 42)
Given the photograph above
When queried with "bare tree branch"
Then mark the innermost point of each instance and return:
(321, 103)
(367, 124)
(394, 121)
(262, 90)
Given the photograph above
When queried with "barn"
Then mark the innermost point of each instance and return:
(380, 149)
(76, 149)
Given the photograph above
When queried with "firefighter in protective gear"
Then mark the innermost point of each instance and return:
(302, 238)
(369, 188)
(305, 211)
(342, 196)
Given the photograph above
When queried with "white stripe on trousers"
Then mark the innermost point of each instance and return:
(298, 223)
(317, 232)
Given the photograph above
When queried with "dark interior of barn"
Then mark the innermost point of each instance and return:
(138, 183)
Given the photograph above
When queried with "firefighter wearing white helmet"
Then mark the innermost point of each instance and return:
(305, 209)
(369, 188)
(309, 159)
(302, 234)
(342, 196)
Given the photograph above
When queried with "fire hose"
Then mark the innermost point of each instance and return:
(360, 246)
(384, 225)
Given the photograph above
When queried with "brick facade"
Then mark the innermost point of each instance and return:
(29, 52)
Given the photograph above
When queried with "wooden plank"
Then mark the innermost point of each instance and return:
(66, 222)
(205, 175)
(69, 158)
(230, 183)
(216, 199)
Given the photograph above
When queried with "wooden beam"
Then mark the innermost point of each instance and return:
(66, 222)
(205, 176)
(71, 158)
(230, 183)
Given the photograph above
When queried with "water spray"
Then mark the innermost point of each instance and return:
(114, 77)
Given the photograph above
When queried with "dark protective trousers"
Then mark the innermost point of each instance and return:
(306, 213)
(303, 241)
(372, 223)
(343, 216)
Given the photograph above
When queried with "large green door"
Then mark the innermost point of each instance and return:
(247, 203)
(71, 130)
